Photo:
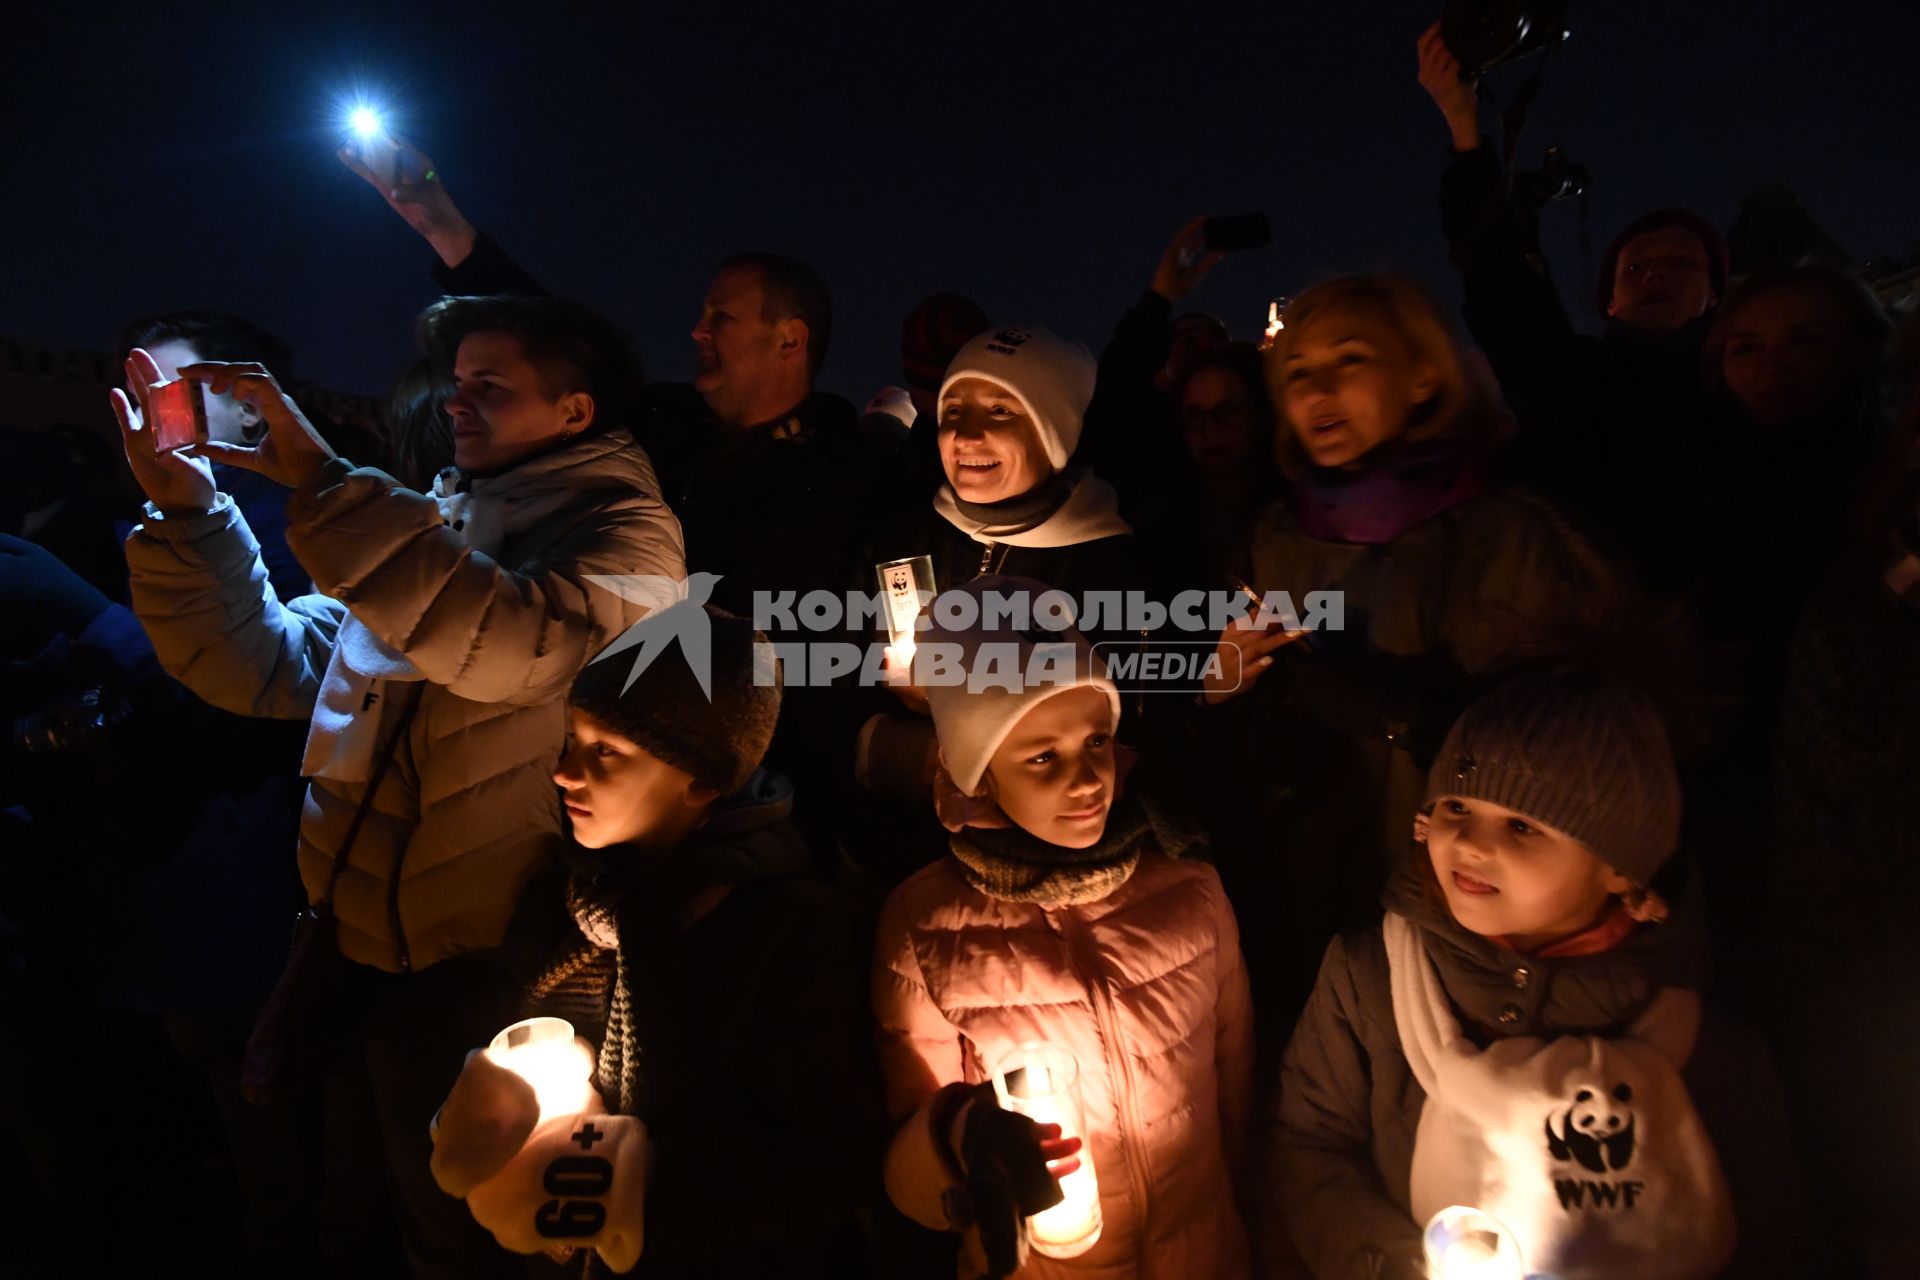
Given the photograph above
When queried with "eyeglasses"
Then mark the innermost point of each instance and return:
(1227, 413)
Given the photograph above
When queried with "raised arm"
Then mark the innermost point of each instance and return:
(1508, 298)
(471, 264)
(201, 590)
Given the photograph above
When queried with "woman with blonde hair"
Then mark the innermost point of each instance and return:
(1388, 430)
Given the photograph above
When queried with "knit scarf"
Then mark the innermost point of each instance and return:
(1401, 484)
(1014, 865)
(1072, 507)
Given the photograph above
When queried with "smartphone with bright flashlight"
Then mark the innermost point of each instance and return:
(378, 151)
(177, 413)
(381, 154)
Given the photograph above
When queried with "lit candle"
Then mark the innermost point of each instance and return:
(544, 1053)
(1463, 1243)
(905, 588)
(1038, 1081)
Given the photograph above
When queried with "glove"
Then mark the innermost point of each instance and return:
(1004, 1180)
(579, 1182)
(482, 1125)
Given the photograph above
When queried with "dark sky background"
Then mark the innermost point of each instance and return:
(1034, 155)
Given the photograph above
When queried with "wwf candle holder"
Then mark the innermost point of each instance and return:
(1464, 1243)
(1041, 1082)
(906, 589)
(544, 1053)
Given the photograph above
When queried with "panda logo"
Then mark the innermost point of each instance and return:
(900, 581)
(1596, 1130)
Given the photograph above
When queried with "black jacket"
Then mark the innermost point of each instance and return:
(1614, 428)
(753, 1069)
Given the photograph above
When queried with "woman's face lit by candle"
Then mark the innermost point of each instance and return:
(1054, 773)
(1350, 383)
(989, 446)
(617, 792)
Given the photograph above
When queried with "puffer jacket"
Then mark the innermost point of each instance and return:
(1144, 987)
(1340, 1135)
(468, 813)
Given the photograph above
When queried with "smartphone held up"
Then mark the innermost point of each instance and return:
(177, 414)
(1235, 233)
(374, 145)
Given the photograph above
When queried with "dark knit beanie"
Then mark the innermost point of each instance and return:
(720, 741)
(1687, 220)
(1582, 752)
(933, 331)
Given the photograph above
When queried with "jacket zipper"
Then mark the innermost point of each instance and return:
(1108, 1024)
(393, 914)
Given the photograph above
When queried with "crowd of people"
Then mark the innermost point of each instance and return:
(1560, 876)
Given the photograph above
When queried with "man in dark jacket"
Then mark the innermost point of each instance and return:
(1616, 427)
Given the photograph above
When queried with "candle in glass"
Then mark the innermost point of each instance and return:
(544, 1053)
(906, 587)
(1463, 1243)
(1040, 1081)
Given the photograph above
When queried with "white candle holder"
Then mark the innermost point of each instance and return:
(906, 588)
(544, 1053)
(1041, 1082)
(1464, 1243)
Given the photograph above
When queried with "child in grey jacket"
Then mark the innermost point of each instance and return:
(1524, 1033)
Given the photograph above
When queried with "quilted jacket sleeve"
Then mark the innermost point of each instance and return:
(470, 624)
(1326, 1194)
(920, 1052)
(200, 589)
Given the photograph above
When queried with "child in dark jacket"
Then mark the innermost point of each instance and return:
(1524, 1033)
(715, 980)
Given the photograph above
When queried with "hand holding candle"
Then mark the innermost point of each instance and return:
(1039, 1081)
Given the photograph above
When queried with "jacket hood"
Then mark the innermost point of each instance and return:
(598, 460)
(1567, 994)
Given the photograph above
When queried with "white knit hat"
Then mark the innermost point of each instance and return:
(1052, 378)
(974, 716)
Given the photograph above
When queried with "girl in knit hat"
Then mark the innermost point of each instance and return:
(1523, 1033)
(713, 979)
(1010, 411)
(1065, 913)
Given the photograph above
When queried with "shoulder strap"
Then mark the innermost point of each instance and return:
(373, 786)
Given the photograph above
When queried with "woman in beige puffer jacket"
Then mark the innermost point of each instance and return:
(1120, 952)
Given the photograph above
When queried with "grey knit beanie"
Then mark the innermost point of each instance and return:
(1583, 752)
(721, 740)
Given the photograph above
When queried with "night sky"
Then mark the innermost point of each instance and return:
(1036, 156)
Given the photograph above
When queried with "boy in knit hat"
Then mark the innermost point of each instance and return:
(688, 944)
(1065, 913)
(1524, 1032)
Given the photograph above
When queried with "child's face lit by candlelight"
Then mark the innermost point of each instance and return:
(1054, 774)
(1508, 876)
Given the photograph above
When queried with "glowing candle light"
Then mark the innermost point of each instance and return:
(544, 1053)
(1039, 1081)
(1463, 1243)
(906, 587)
(1274, 323)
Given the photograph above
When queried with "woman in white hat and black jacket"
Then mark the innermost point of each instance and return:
(1011, 409)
